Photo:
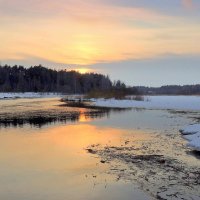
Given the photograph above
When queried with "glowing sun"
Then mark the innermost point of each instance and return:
(83, 70)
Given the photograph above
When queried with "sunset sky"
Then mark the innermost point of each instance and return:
(141, 42)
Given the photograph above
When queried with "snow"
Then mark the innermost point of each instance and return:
(192, 134)
(28, 95)
(154, 102)
(191, 129)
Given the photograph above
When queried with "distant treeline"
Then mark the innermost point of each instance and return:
(41, 79)
(171, 90)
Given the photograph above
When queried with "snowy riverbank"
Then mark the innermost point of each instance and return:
(154, 102)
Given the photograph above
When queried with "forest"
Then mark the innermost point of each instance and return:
(41, 79)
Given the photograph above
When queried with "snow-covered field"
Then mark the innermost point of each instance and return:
(192, 134)
(28, 95)
(154, 102)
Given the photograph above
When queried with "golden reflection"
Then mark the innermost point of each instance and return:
(84, 118)
(53, 158)
(54, 148)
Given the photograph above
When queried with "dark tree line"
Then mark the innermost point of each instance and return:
(171, 90)
(41, 79)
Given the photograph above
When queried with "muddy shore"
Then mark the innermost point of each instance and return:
(161, 165)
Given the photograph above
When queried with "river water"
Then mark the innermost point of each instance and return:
(52, 152)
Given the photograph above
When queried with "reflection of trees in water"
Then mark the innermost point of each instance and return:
(41, 118)
(36, 118)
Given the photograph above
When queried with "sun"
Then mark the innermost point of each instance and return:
(83, 70)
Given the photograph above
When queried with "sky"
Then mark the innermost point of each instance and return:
(141, 42)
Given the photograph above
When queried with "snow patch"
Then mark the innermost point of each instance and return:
(192, 134)
(154, 102)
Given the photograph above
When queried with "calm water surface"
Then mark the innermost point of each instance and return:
(49, 161)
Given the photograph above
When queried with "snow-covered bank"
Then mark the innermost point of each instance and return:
(154, 102)
(28, 95)
(192, 134)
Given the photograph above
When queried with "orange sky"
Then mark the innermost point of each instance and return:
(92, 31)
